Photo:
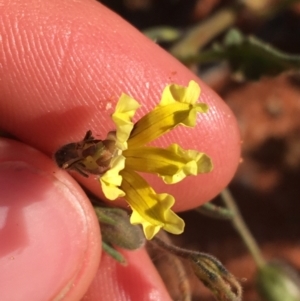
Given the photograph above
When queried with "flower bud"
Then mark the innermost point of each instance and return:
(277, 281)
(216, 277)
(117, 230)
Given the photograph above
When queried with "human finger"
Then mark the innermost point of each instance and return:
(65, 65)
(51, 244)
(138, 281)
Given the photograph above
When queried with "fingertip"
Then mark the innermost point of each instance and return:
(79, 58)
(52, 242)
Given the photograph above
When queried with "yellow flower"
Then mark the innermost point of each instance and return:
(178, 106)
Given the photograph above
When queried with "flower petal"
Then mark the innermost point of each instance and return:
(149, 229)
(163, 119)
(111, 180)
(125, 110)
(173, 93)
(172, 164)
(149, 209)
(177, 107)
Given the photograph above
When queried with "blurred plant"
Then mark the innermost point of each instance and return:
(163, 34)
(249, 56)
(275, 280)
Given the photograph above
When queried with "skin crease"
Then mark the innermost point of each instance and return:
(63, 66)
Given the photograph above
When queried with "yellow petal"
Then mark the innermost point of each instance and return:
(163, 119)
(173, 93)
(111, 180)
(125, 110)
(172, 164)
(150, 230)
(195, 163)
(151, 210)
(178, 106)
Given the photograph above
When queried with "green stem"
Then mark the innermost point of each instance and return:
(242, 228)
(215, 211)
(207, 56)
(203, 33)
(171, 248)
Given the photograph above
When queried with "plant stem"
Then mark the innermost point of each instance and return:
(204, 32)
(171, 248)
(215, 211)
(242, 228)
(209, 270)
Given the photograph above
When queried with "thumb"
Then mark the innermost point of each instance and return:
(50, 237)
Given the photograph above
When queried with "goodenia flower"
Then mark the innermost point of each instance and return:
(119, 159)
(178, 106)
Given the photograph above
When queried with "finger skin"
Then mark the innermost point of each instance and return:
(65, 64)
(51, 243)
(138, 281)
(63, 67)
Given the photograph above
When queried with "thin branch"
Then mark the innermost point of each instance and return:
(242, 228)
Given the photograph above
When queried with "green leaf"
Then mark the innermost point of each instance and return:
(113, 253)
(248, 56)
(254, 58)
